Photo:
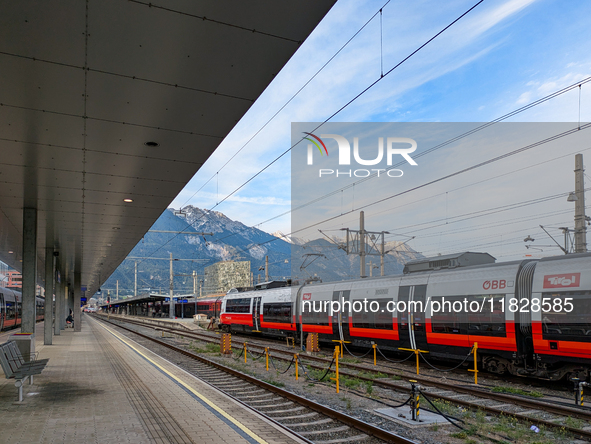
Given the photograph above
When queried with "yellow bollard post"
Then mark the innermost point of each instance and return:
(336, 359)
(245, 351)
(337, 366)
(267, 357)
(416, 352)
(295, 356)
(476, 363)
(475, 370)
(375, 360)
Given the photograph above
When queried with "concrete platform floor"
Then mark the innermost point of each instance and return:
(100, 387)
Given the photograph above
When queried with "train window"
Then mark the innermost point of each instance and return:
(241, 305)
(448, 321)
(10, 310)
(277, 312)
(558, 324)
(487, 322)
(381, 319)
(311, 317)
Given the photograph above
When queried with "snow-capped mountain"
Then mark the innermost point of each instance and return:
(210, 236)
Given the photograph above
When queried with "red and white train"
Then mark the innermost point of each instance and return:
(529, 317)
(11, 308)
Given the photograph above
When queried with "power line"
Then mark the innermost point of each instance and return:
(337, 112)
(287, 103)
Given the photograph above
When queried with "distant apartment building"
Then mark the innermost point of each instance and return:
(223, 276)
(14, 280)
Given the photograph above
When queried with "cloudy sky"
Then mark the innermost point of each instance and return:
(502, 56)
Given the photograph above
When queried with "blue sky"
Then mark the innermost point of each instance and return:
(501, 56)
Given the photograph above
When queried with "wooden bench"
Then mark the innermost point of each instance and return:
(15, 367)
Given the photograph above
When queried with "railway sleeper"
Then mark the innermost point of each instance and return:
(312, 423)
(256, 401)
(270, 406)
(276, 412)
(356, 438)
(320, 432)
(305, 415)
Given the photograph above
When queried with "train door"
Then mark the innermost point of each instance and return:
(340, 320)
(2, 312)
(256, 313)
(411, 322)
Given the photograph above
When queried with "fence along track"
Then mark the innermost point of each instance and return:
(354, 423)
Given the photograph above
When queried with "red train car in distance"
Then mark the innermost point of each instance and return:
(11, 308)
(210, 305)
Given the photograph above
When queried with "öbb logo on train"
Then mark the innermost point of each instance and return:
(495, 284)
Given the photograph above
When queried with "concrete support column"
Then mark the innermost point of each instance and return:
(76, 300)
(48, 315)
(59, 294)
(29, 270)
(66, 290)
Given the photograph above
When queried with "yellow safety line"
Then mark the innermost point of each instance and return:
(192, 390)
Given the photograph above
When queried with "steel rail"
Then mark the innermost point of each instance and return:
(473, 391)
(327, 411)
(532, 404)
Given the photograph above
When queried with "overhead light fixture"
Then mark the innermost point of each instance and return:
(10, 252)
(116, 228)
(152, 144)
(572, 197)
(127, 200)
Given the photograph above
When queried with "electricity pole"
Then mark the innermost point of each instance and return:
(135, 286)
(364, 243)
(171, 310)
(580, 228)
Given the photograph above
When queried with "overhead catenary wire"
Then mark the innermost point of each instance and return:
(458, 188)
(289, 101)
(339, 110)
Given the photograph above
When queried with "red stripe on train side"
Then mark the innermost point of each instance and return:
(563, 348)
(488, 342)
(313, 328)
(374, 333)
(327, 329)
(277, 325)
(235, 318)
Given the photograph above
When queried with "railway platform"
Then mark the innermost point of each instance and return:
(101, 387)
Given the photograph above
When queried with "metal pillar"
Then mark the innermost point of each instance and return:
(171, 314)
(382, 254)
(48, 313)
(361, 244)
(76, 300)
(29, 270)
(59, 294)
(580, 228)
(266, 268)
(135, 286)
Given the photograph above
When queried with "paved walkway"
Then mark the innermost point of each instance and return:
(100, 387)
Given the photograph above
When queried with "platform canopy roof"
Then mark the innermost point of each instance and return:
(106, 100)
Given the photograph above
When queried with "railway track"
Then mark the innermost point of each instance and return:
(520, 407)
(313, 422)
